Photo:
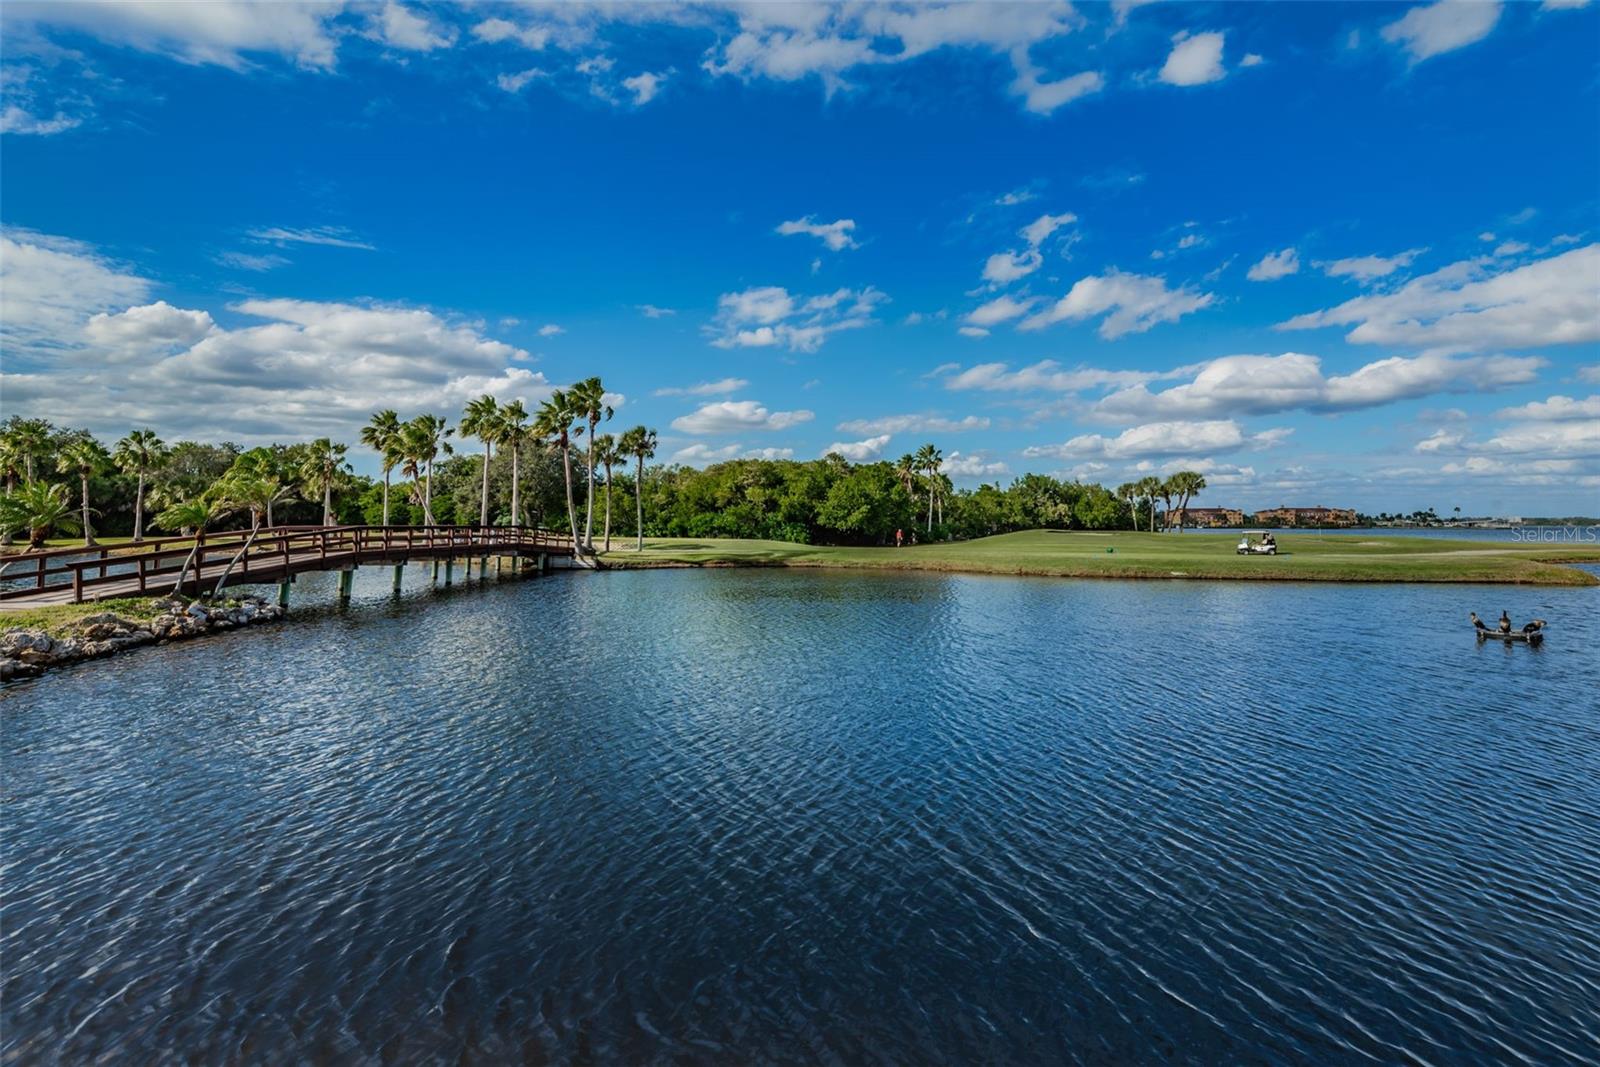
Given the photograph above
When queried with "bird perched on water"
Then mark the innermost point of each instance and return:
(1534, 627)
(1477, 622)
(1505, 623)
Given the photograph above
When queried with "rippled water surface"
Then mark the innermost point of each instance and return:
(784, 816)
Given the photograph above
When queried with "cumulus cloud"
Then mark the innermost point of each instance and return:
(1130, 303)
(401, 27)
(1158, 439)
(1003, 268)
(737, 416)
(1555, 409)
(1432, 29)
(50, 286)
(1275, 265)
(1000, 309)
(550, 329)
(1195, 59)
(223, 33)
(1253, 385)
(902, 424)
(770, 315)
(1037, 231)
(1367, 268)
(1477, 304)
(150, 327)
(699, 454)
(837, 235)
(15, 119)
(1043, 96)
(644, 86)
(650, 311)
(720, 387)
(860, 451)
(976, 465)
(515, 83)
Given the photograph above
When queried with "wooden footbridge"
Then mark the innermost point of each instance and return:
(190, 565)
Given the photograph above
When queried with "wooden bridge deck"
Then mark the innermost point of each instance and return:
(153, 567)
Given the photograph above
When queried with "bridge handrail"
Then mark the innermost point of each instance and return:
(330, 542)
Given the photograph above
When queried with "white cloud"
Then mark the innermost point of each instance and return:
(1003, 268)
(737, 416)
(644, 86)
(1042, 96)
(1366, 268)
(650, 311)
(720, 387)
(770, 315)
(769, 453)
(332, 236)
(49, 286)
(859, 451)
(1511, 248)
(1044, 376)
(550, 329)
(1131, 303)
(902, 424)
(836, 235)
(1275, 265)
(248, 261)
(15, 119)
(1158, 439)
(1589, 374)
(1440, 441)
(1000, 309)
(700, 454)
(1468, 306)
(1195, 60)
(218, 32)
(1015, 197)
(145, 329)
(976, 465)
(1253, 385)
(1251, 59)
(515, 83)
(1042, 227)
(1432, 29)
(1555, 409)
(972, 331)
(401, 27)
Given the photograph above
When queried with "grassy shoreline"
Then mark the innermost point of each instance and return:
(1075, 554)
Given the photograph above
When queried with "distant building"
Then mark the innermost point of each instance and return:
(1317, 516)
(1205, 517)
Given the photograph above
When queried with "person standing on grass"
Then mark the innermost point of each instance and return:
(899, 538)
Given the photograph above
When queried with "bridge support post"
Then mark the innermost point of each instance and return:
(283, 592)
(543, 562)
(436, 570)
(399, 572)
(449, 566)
(347, 578)
(483, 568)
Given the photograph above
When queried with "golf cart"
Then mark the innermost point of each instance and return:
(1264, 544)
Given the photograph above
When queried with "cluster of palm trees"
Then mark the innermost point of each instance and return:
(41, 507)
(923, 472)
(1182, 486)
(567, 417)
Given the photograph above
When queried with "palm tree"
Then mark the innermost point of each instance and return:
(30, 440)
(140, 453)
(256, 493)
(513, 434)
(190, 518)
(11, 466)
(1128, 493)
(382, 435)
(85, 457)
(39, 508)
(905, 469)
(1187, 484)
(639, 442)
(323, 469)
(928, 460)
(1166, 492)
(589, 404)
(1149, 488)
(553, 423)
(608, 455)
(422, 439)
(482, 420)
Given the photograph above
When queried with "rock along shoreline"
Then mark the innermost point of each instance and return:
(28, 653)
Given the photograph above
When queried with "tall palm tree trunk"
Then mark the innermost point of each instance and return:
(588, 519)
(386, 496)
(255, 528)
(138, 509)
(638, 502)
(572, 508)
(88, 531)
(608, 510)
(516, 488)
(483, 500)
(427, 495)
(327, 502)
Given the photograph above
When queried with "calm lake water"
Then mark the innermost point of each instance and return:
(788, 816)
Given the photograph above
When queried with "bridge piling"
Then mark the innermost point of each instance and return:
(347, 578)
(399, 570)
(283, 591)
(449, 566)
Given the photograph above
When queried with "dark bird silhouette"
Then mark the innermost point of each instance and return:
(1477, 622)
(1505, 623)
(1534, 627)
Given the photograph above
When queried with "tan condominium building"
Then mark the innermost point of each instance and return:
(1318, 516)
(1205, 517)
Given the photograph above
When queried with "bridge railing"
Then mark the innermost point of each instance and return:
(155, 565)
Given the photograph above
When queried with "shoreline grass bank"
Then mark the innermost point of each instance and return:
(1124, 554)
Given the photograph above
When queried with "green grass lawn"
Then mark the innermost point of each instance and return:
(58, 619)
(1303, 556)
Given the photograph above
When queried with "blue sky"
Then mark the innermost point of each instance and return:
(1328, 254)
